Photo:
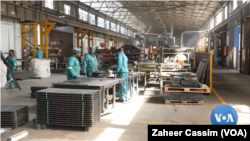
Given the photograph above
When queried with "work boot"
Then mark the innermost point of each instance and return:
(9, 88)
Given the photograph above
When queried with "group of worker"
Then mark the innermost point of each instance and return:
(90, 66)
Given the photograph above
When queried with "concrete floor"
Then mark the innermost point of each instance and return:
(128, 122)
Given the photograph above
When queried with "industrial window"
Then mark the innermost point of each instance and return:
(91, 18)
(108, 24)
(83, 15)
(122, 30)
(49, 4)
(212, 24)
(66, 9)
(100, 22)
(218, 18)
(235, 4)
(128, 33)
(225, 12)
(113, 27)
(125, 31)
(118, 28)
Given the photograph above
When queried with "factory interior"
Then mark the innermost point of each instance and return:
(173, 61)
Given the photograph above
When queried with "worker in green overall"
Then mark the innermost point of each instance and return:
(122, 70)
(73, 66)
(90, 64)
(39, 53)
(11, 61)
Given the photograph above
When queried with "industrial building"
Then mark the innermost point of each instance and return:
(173, 61)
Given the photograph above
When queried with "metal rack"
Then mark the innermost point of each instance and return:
(183, 51)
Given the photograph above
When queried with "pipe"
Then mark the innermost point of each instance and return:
(188, 32)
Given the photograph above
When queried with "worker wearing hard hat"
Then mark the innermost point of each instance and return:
(39, 53)
(11, 61)
(73, 67)
(90, 64)
(122, 70)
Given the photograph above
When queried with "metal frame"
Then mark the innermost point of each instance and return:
(44, 34)
(24, 37)
(80, 35)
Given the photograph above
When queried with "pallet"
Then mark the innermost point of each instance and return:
(45, 126)
(203, 89)
(177, 102)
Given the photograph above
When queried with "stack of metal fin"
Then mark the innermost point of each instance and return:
(68, 107)
(176, 81)
(58, 70)
(20, 75)
(202, 72)
(80, 80)
(189, 82)
(36, 88)
(14, 115)
(183, 96)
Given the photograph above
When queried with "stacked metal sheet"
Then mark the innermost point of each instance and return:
(36, 88)
(68, 107)
(14, 115)
(176, 81)
(189, 82)
(183, 96)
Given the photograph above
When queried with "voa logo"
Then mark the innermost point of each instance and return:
(224, 115)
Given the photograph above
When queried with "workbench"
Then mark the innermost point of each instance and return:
(131, 81)
(102, 84)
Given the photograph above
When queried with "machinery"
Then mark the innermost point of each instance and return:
(55, 55)
(152, 51)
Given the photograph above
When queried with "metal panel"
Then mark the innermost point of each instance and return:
(11, 10)
(73, 24)
(61, 7)
(3, 8)
(72, 11)
(37, 17)
(20, 13)
(29, 15)
(51, 18)
(42, 17)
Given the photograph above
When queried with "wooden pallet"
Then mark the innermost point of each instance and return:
(178, 102)
(203, 89)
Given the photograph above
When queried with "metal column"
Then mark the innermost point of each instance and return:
(114, 95)
(90, 39)
(106, 39)
(48, 28)
(107, 98)
(117, 42)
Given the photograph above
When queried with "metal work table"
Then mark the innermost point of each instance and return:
(102, 84)
(132, 76)
(131, 84)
